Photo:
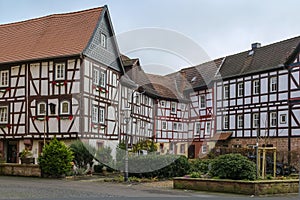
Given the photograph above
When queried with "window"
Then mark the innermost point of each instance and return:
(60, 71)
(96, 77)
(102, 80)
(240, 121)
(101, 115)
(273, 84)
(240, 89)
(226, 122)
(255, 119)
(173, 107)
(180, 127)
(175, 126)
(3, 114)
(273, 119)
(208, 128)
(204, 149)
(4, 78)
(256, 87)
(137, 99)
(103, 40)
(202, 101)
(146, 100)
(198, 128)
(164, 125)
(95, 114)
(162, 104)
(283, 119)
(65, 108)
(226, 91)
(182, 148)
(41, 108)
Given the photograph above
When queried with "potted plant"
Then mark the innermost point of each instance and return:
(26, 157)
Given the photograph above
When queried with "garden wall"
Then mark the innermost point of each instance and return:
(20, 170)
(239, 187)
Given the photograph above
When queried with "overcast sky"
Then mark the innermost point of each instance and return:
(220, 27)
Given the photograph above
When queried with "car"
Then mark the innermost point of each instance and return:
(281, 168)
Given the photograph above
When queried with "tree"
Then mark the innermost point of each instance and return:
(83, 154)
(55, 160)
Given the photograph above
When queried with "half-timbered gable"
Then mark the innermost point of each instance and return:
(139, 105)
(252, 100)
(59, 77)
(200, 91)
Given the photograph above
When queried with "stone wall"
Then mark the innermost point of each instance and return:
(20, 170)
(239, 187)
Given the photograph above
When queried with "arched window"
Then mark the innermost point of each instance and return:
(41, 108)
(65, 108)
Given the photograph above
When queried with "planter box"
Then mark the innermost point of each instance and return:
(27, 160)
(239, 187)
(10, 169)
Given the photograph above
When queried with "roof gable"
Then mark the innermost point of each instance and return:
(46, 37)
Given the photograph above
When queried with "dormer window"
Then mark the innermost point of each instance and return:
(4, 77)
(103, 40)
(60, 71)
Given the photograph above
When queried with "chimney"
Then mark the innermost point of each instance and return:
(255, 45)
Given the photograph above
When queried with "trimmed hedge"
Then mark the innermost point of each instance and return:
(233, 166)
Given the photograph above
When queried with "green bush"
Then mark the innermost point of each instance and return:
(200, 165)
(160, 166)
(233, 166)
(196, 175)
(83, 154)
(55, 160)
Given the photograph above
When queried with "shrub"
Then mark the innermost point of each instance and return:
(161, 166)
(200, 165)
(55, 160)
(196, 175)
(233, 166)
(83, 154)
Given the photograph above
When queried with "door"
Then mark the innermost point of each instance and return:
(191, 151)
(12, 152)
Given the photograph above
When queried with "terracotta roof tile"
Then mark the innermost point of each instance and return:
(51, 36)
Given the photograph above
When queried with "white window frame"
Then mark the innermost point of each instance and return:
(163, 104)
(240, 121)
(102, 79)
(103, 40)
(95, 114)
(202, 101)
(39, 108)
(3, 114)
(164, 125)
(198, 128)
(101, 115)
(96, 77)
(255, 120)
(180, 127)
(204, 149)
(226, 91)
(240, 89)
(256, 87)
(207, 128)
(62, 104)
(273, 84)
(173, 107)
(4, 78)
(175, 126)
(283, 119)
(60, 71)
(273, 119)
(182, 148)
(226, 122)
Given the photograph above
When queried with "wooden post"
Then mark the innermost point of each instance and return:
(274, 159)
(264, 164)
(258, 162)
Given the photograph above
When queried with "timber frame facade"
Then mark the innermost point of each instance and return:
(68, 80)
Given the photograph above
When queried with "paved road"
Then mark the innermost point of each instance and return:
(36, 188)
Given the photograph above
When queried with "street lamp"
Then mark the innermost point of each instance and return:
(128, 116)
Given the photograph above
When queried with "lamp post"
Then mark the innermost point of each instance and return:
(127, 120)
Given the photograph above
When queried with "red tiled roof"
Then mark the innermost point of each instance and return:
(51, 36)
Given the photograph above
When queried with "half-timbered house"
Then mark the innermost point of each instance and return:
(59, 77)
(257, 98)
